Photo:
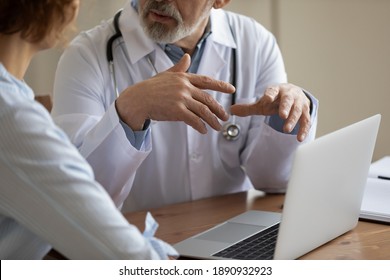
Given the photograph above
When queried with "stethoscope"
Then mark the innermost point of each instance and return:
(230, 130)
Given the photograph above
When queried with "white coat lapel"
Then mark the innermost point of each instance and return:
(138, 45)
(214, 67)
(217, 44)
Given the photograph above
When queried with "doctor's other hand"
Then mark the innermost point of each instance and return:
(286, 100)
(174, 95)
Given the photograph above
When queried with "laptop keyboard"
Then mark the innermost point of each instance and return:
(260, 246)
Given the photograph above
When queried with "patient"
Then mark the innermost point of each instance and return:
(48, 195)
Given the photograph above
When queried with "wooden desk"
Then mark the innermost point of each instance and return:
(368, 241)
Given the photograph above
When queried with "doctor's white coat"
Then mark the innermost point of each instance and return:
(175, 162)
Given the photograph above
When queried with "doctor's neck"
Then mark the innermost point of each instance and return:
(188, 44)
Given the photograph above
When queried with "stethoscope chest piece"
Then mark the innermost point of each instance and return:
(231, 131)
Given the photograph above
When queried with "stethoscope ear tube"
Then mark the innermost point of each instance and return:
(109, 50)
(118, 33)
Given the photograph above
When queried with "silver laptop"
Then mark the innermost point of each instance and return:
(322, 202)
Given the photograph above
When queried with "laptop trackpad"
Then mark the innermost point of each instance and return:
(230, 232)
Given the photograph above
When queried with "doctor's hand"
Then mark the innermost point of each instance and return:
(287, 100)
(174, 95)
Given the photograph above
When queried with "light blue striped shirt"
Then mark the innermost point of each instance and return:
(48, 196)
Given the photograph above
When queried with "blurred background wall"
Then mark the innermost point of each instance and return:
(339, 50)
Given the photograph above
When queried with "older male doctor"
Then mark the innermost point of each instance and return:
(164, 139)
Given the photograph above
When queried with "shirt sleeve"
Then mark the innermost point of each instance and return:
(49, 188)
(136, 138)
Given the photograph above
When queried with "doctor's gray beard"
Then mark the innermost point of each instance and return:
(159, 32)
